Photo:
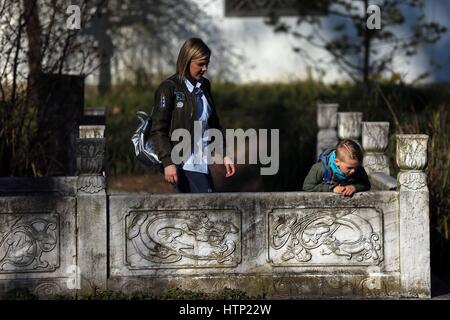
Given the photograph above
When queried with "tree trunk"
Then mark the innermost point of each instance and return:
(104, 83)
(367, 36)
(33, 30)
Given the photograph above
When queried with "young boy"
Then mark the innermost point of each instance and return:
(339, 170)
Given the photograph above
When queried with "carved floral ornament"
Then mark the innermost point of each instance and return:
(412, 151)
(90, 155)
(413, 180)
(91, 184)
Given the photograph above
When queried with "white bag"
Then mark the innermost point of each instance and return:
(145, 150)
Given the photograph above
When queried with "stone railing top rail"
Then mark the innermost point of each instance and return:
(302, 196)
(382, 181)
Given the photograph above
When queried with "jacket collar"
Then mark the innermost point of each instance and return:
(190, 86)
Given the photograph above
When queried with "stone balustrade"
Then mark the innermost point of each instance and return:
(414, 214)
(277, 244)
(91, 208)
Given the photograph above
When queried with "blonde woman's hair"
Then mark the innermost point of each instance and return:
(192, 49)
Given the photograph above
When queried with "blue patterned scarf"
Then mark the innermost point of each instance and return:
(336, 171)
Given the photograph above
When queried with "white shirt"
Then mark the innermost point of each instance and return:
(198, 162)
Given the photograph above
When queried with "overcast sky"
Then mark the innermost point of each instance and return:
(269, 56)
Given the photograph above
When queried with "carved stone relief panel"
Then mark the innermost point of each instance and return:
(182, 239)
(29, 242)
(325, 236)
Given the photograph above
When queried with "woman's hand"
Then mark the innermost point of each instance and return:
(170, 174)
(229, 165)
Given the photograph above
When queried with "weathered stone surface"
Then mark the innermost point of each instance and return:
(349, 125)
(323, 236)
(375, 138)
(412, 151)
(91, 209)
(359, 234)
(37, 243)
(414, 215)
(183, 239)
(278, 245)
(382, 181)
(42, 288)
(326, 121)
(272, 286)
(90, 155)
(91, 131)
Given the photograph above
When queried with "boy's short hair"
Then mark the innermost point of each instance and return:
(351, 148)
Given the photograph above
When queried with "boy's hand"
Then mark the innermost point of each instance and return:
(339, 189)
(349, 190)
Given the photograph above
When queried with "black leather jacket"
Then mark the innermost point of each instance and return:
(174, 108)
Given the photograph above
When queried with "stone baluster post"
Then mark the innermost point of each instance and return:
(326, 121)
(414, 215)
(375, 139)
(349, 125)
(91, 209)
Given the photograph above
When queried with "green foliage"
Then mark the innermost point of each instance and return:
(116, 295)
(231, 294)
(181, 294)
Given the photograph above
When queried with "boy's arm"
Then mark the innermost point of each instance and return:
(362, 182)
(314, 180)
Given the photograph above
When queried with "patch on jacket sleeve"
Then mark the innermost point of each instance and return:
(162, 101)
(179, 99)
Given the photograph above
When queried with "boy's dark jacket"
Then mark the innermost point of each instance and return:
(167, 116)
(314, 179)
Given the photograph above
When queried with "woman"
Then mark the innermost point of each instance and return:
(180, 100)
